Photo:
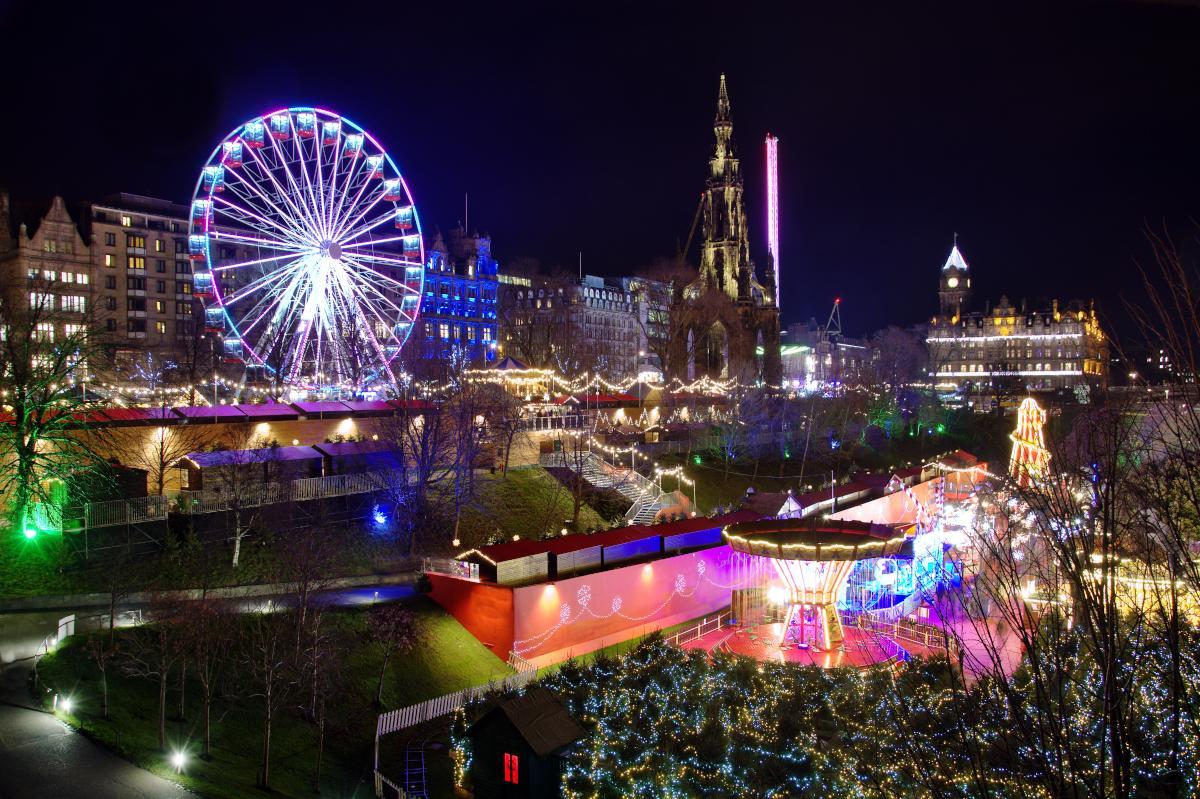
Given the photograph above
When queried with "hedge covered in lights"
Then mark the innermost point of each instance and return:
(665, 722)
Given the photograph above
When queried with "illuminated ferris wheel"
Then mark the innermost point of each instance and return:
(307, 251)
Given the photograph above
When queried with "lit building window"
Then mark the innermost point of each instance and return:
(110, 259)
(512, 769)
(160, 328)
(126, 220)
(45, 331)
(136, 262)
(444, 330)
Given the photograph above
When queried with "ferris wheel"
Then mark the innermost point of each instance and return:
(307, 251)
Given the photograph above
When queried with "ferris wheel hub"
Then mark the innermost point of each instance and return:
(331, 249)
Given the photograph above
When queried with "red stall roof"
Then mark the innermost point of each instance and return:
(381, 407)
(224, 412)
(343, 448)
(269, 410)
(511, 550)
(321, 408)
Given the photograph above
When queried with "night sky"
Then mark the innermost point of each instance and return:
(1048, 138)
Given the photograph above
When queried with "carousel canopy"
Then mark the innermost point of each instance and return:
(817, 539)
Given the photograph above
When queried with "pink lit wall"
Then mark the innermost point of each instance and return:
(894, 508)
(569, 617)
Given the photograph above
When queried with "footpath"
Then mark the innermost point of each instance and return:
(102, 599)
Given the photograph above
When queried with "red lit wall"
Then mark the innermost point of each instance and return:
(485, 610)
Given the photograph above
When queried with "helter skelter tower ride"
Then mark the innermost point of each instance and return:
(307, 252)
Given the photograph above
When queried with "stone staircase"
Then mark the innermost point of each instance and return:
(645, 496)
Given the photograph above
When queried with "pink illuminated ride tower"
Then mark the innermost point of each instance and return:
(773, 208)
(812, 560)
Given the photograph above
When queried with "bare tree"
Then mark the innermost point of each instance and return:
(421, 442)
(666, 328)
(900, 358)
(158, 452)
(208, 632)
(324, 665)
(151, 652)
(505, 417)
(244, 479)
(393, 628)
(308, 554)
(100, 651)
(730, 439)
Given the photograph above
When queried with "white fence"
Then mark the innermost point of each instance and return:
(444, 705)
(706, 626)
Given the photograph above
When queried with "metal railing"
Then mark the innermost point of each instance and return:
(706, 626)
(535, 424)
(908, 630)
(455, 568)
(305, 489)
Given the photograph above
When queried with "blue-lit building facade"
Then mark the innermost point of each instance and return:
(458, 310)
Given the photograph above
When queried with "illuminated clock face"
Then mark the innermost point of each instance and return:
(952, 282)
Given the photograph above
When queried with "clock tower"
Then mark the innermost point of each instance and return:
(954, 284)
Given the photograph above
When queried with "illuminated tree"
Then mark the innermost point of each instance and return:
(44, 361)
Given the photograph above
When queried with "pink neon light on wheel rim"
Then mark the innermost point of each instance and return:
(307, 251)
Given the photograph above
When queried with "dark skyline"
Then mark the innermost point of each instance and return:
(1047, 138)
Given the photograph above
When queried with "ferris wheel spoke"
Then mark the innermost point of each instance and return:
(378, 259)
(368, 275)
(252, 193)
(256, 262)
(358, 287)
(225, 235)
(301, 160)
(335, 161)
(374, 242)
(348, 181)
(367, 208)
(309, 212)
(303, 218)
(261, 283)
(260, 221)
(362, 231)
(363, 182)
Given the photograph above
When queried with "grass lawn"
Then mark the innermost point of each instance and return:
(528, 503)
(452, 659)
(714, 487)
